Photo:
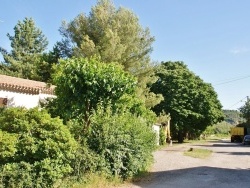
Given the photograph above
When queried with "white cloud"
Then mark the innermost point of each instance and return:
(240, 50)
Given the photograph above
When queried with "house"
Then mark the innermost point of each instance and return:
(19, 92)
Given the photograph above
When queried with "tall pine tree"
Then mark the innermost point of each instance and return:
(28, 43)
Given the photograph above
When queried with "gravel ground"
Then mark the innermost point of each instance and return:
(228, 166)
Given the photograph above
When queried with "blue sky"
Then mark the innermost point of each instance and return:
(212, 37)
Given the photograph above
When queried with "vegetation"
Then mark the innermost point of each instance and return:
(192, 104)
(28, 44)
(88, 83)
(108, 94)
(123, 140)
(245, 110)
(162, 137)
(233, 117)
(114, 35)
(35, 149)
(111, 125)
(96, 180)
(198, 153)
(222, 128)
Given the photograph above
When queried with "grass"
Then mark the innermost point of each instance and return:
(198, 153)
(209, 138)
(97, 180)
(100, 180)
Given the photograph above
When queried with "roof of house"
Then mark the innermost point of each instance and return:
(21, 85)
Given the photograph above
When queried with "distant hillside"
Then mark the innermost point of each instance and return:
(233, 117)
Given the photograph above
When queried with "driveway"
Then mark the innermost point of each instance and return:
(228, 166)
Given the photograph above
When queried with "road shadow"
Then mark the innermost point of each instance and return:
(208, 144)
(197, 177)
(220, 143)
(224, 144)
(235, 153)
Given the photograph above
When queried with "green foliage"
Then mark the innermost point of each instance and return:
(112, 139)
(27, 44)
(7, 144)
(222, 128)
(114, 35)
(245, 110)
(192, 104)
(198, 153)
(233, 117)
(118, 144)
(136, 106)
(163, 119)
(146, 77)
(36, 150)
(123, 142)
(88, 82)
(90, 180)
(162, 139)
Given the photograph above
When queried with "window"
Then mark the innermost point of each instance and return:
(3, 102)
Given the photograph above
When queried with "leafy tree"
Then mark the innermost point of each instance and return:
(87, 83)
(245, 110)
(114, 35)
(192, 104)
(28, 44)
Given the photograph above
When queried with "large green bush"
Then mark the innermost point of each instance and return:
(35, 149)
(123, 142)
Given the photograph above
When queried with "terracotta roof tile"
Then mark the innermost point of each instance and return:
(24, 85)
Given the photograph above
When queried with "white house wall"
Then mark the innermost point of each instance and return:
(21, 99)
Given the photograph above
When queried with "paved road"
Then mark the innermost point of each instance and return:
(229, 167)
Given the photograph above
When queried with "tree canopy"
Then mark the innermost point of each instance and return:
(28, 43)
(192, 103)
(114, 35)
(245, 110)
(82, 83)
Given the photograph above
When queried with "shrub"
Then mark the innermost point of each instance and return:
(36, 150)
(123, 142)
(163, 137)
(222, 128)
(7, 145)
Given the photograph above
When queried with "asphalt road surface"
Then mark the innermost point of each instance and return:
(227, 167)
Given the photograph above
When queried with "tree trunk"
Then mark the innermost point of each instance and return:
(86, 115)
(180, 136)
